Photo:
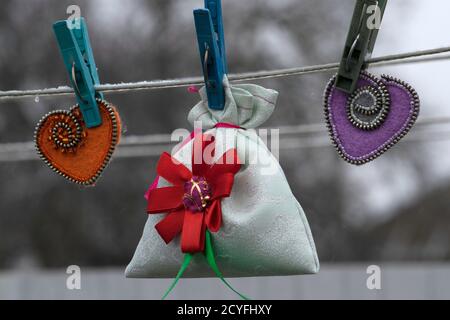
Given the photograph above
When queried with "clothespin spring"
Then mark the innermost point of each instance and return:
(75, 84)
(205, 66)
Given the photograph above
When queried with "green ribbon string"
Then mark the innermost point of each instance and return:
(210, 258)
(186, 263)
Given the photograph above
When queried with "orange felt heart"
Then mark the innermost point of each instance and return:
(75, 152)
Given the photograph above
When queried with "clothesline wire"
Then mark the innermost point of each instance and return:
(134, 146)
(409, 57)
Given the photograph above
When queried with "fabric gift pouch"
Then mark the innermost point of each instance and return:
(221, 205)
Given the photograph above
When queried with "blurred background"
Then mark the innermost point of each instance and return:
(393, 212)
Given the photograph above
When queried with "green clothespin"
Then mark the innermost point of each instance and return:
(360, 42)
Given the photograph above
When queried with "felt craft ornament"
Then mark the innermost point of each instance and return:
(229, 212)
(367, 115)
(72, 150)
(366, 123)
(78, 144)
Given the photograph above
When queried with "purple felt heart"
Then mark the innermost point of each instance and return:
(367, 123)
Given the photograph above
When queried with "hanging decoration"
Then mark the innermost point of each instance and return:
(367, 115)
(78, 144)
(221, 204)
(72, 150)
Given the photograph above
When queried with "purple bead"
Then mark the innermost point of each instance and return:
(197, 194)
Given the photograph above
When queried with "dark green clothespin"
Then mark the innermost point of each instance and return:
(360, 42)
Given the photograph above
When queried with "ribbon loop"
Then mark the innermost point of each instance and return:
(213, 217)
(164, 200)
(173, 171)
(171, 226)
(193, 234)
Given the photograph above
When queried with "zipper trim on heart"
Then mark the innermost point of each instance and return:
(114, 141)
(415, 114)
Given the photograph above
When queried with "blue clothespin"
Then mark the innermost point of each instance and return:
(211, 41)
(74, 43)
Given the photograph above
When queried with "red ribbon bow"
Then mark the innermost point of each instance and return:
(193, 225)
